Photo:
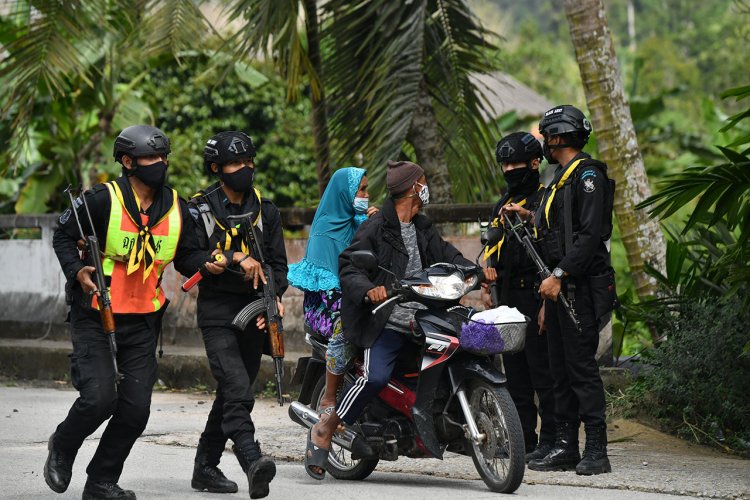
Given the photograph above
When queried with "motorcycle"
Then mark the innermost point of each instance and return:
(445, 395)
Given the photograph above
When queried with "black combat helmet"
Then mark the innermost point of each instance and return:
(226, 147)
(141, 140)
(518, 147)
(565, 119)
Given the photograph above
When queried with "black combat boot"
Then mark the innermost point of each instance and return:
(595, 459)
(540, 451)
(102, 490)
(259, 468)
(210, 478)
(564, 455)
(58, 468)
(207, 476)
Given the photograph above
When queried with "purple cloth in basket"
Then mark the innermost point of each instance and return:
(481, 338)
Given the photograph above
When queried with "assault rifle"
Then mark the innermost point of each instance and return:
(267, 305)
(542, 268)
(91, 247)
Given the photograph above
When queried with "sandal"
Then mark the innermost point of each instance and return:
(315, 457)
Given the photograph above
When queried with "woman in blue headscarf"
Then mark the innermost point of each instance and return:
(344, 206)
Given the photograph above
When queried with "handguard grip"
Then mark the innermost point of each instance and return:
(194, 279)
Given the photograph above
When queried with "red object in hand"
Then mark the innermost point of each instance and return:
(194, 279)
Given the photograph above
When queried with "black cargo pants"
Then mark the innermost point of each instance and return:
(578, 387)
(92, 374)
(528, 372)
(234, 359)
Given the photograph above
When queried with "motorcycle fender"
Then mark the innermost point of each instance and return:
(312, 371)
(474, 367)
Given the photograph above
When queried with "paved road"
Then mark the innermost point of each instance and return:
(161, 462)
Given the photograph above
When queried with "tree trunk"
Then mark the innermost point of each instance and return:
(319, 111)
(616, 139)
(429, 147)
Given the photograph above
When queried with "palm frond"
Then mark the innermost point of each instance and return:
(373, 78)
(172, 26)
(272, 28)
(46, 50)
(721, 190)
(380, 53)
(457, 45)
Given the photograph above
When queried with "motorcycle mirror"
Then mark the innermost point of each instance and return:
(492, 236)
(364, 259)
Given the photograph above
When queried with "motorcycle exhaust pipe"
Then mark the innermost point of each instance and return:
(307, 417)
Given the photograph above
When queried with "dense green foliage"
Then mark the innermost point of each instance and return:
(701, 369)
(697, 382)
(188, 101)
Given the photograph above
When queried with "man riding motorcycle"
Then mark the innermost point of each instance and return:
(404, 242)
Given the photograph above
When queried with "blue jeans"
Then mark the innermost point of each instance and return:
(379, 361)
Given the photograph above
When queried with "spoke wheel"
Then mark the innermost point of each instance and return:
(499, 457)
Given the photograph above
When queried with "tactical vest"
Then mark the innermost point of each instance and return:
(137, 292)
(556, 236)
(225, 239)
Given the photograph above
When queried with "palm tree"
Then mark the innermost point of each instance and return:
(387, 79)
(63, 69)
(273, 28)
(720, 217)
(616, 139)
(394, 76)
(413, 88)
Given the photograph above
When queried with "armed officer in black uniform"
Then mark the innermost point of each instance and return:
(140, 225)
(234, 357)
(519, 155)
(574, 223)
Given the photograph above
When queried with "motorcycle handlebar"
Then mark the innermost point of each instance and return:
(389, 294)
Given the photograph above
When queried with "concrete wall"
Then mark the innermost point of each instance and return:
(32, 298)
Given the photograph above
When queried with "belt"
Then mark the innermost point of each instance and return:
(521, 282)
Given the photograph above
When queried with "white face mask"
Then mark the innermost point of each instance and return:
(361, 205)
(424, 194)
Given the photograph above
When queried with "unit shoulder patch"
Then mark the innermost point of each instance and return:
(194, 211)
(588, 173)
(65, 217)
(588, 185)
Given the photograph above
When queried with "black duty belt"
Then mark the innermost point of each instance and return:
(521, 282)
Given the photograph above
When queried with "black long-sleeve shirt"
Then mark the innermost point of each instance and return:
(222, 296)
(589, 197)
(188, 257)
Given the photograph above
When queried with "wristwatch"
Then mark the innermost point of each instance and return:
(558, 273)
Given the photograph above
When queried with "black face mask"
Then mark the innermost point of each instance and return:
(152, 175)
(548, 154)
(241, 180)
(521, 179)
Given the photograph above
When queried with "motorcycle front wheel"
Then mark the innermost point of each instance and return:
(500, 456)
(340, 462)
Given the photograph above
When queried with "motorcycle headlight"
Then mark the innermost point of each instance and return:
(450, 287)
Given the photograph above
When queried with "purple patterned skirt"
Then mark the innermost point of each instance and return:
(322, 309)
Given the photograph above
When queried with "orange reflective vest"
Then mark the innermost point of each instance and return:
(137, 290)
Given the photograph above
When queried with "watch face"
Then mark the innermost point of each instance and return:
(558, 272)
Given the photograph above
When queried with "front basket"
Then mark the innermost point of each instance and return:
(483, 338)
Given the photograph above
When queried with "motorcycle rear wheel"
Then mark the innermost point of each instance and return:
(500, 457)
(340, 463)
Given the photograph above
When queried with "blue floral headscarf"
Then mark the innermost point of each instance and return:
(331, 232)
